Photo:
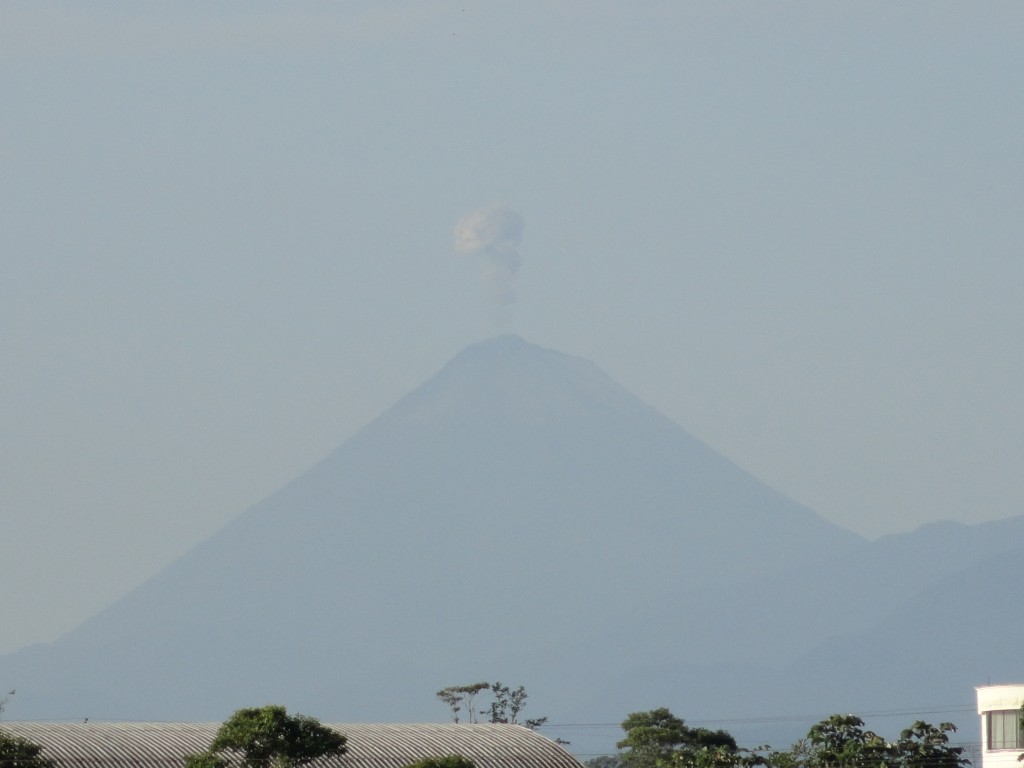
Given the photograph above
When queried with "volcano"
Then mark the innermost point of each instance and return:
(518, 517)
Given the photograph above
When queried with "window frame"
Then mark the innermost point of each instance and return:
(1000, 716)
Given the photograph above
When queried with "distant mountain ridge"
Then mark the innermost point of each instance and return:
(520, 516)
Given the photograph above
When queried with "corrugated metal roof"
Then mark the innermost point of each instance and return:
(164, 745)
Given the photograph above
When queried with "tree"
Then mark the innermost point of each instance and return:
(797, 756)
(656, 738)
(508, 704)
(454, 695)
(1020, 757)
(651, 737)
(268, 737)
(16, 752)
(715, 757)
(842, 742)
(924, 745)
(206, 760)
(449, 761)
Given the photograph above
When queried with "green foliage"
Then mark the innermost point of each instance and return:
(455, 695)
(449, 761)
(652, 734)
(841, 741)
(923, 745)
(1020, 757)
(714, 757)
(797, 756)
(16, 752)
(205, 760)
(268, 737)
(507, 705)
(656, 738)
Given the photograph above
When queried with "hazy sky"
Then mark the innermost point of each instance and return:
(234, 233)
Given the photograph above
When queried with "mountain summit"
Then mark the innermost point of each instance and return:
(519, 516)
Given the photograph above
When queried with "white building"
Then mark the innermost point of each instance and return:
(1002, 738)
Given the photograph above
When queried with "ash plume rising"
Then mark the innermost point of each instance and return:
(491, 237)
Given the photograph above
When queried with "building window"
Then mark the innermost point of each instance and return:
(1004, 729)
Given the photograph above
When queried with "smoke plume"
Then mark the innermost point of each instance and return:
(491, 236)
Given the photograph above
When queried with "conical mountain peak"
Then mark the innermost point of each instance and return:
(509, 353)
(516, 502)
(508, 379)
(501, 343)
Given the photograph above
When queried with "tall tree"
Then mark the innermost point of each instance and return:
(455, 695)
(656, 737)
(507, 705)
(841, 741)
(268, 737)
(924, 745)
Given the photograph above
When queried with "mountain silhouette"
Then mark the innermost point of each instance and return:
(518, 517)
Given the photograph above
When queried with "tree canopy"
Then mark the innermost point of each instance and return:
(506, 704)
(16, 752)
(842, 741)
(268, 737)
(658, 739)
(655, 738)
(448, 761)
(455, 695)
(923, 745)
